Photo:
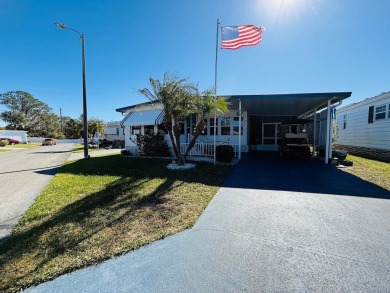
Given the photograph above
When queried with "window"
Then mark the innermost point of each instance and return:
(135, 130)
(345, 121)
(117, 131)
(188, 126)
(148, 129)
(380, 112)
(371, 114)
(190, 123)
(212, 126)
(162, 129)
(225, 126)
(182, 125)
(388, 116)
(205, 128)
(236, 122)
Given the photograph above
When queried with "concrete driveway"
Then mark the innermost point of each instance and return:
(24, 174)
(274, 227)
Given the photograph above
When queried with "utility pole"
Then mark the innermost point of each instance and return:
(62, 128)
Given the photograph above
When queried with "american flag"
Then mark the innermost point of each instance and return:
(235, 37)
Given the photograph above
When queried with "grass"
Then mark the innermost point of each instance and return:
(98, 208)
(370, 170)
(3, 150)
(24, 145)
(79, 148)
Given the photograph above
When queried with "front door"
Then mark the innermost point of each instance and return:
(270, 137)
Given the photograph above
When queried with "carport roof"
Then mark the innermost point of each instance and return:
(286, 104)
(275, 104)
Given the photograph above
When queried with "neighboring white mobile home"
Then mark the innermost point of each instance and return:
(114, 131)
(19, 135)
(364, 127)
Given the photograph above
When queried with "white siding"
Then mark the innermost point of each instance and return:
(358, 131)
(229, 139)
(19, 135)
(114, 131)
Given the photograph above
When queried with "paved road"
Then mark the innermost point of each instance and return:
(274, 227)
(24, 173)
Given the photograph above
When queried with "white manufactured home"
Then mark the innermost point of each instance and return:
(364, 127)
(251, 124)
(19, 135)
(114, 131)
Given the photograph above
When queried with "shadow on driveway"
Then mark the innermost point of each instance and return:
(265, 170)
(51, 170)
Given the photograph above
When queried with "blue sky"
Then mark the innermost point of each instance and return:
(308, 46)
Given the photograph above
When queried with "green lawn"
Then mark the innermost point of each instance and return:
(370, 170)
(79, 148)
(98, 208)
(3, 150)
(24, 145)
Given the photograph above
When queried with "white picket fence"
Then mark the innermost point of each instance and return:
(205, 149)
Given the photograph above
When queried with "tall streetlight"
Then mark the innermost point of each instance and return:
(85, 120)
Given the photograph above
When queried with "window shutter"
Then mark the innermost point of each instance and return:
(371, 114)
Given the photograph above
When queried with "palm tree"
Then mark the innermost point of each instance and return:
(180, 99)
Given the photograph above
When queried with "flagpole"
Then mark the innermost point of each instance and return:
(215, 94)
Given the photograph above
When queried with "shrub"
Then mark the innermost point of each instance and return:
(118, 144)
(4, 142)
(224, 153)
(125, 153)
(152, 144)
(104, 141)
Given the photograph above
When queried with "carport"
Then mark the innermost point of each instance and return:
(265, 112)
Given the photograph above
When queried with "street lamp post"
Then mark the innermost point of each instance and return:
(85, 120)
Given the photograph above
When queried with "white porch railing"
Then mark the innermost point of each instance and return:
(205, 149)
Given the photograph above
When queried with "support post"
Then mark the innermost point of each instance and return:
(327, 136)
(215, 94)
(314, 132)
(239, 129)
(85, 119)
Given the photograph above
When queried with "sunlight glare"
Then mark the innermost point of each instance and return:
(286, 10)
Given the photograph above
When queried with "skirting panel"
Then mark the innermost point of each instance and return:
(370, 153)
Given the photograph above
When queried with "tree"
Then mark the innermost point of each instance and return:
(96, 126)
(50, 126)
(15, 119)
(28, 113)
(180, 99)
(73, 128)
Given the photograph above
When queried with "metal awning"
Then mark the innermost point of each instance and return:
(285, 104)
(146, 117)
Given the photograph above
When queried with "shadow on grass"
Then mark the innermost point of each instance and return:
(44, 239)
(138, 167)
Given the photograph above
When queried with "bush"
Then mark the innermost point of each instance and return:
(152, 144)
(224, 153)
(125, 153)
(118, 144)
(4, 142)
